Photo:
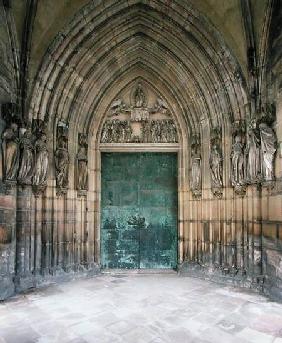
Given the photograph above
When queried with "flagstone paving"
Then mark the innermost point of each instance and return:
(137, 308)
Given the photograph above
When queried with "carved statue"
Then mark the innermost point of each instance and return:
(196, 175)
(128, 132)
(117, 107)
(268, 149)
(165, 131)
(139, 97)
(62, 164)
(253, 155)
(82, 175)
(146, 131)
(27, 158)
(41, 162)
(216, 166)
(82, 164)
(161, 106)
(105, 133)
(154, 137)
(172, 135)
(115, 131)
(237, 162)
(157, 133)
(10, 148)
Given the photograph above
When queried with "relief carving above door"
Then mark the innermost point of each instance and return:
(142, 118)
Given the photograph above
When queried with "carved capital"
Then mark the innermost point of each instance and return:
(240, 190)
(217, 192)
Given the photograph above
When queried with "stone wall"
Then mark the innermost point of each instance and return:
(272, 202)
(8, 81)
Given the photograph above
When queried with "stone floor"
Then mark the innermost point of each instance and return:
(138, 309)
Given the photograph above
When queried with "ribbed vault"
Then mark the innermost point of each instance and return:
(178, 50)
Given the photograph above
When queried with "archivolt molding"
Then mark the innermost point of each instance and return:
(104, 43)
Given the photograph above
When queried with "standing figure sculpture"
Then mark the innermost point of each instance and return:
(128, 132)
(253, 155)
(139, 97)
(105, 133)
(41, 163)
(62, 165)
(146, 131)
(196, 175)
(216, 169)
(173, 132)
(82, 162)
(10, 148)
(27, 158)
(268, 149)
(237, 162)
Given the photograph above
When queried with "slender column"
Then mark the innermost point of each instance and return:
(25, 259)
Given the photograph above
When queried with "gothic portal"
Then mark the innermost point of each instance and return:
(143, 135)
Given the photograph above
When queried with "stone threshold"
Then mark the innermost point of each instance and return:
(138, 271)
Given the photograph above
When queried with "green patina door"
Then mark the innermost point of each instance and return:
(139, 210)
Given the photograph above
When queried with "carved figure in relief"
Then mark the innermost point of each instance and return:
(161, 106)
(105, 133)
(110, 132)
(138, 115)
(10, 148)
(115, 131)
(139, 97)
(27, 157)
(117, 107)
(146, 131)
(82, 164)
(164, 129)
(41, 161)
(253, 155)
(268, 149)
(237, 162)
(154, 131)
(216, 166)
(128, 132)
(171, 131)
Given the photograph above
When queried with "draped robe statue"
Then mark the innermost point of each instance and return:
(41, 162)
(196, 170)
(253, 156)
(237, 162)
(216, 167)
(268, 149)
(27, 158)
(10, 148)
(82, 165)
(62, 165)
(139, 97)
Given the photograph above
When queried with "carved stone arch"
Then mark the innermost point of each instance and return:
(225, 61)
(178, 53)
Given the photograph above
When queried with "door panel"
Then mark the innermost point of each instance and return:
(139, 210)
